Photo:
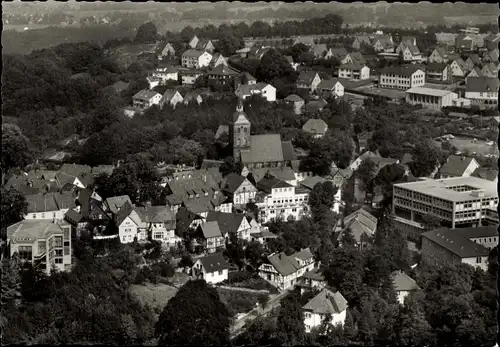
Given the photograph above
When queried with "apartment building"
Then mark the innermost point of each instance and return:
(279, 199)
(401, 77)
(456, 202)
(145, 98)
(45, 243)
(193, 58)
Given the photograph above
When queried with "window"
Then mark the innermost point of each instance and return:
(34, 216)
(478, 260)
(220, 272)
(54, 215)
(58, 261)
(59, 252)
(66, 250)
(42, 246)
(58, 241)
(25, 252)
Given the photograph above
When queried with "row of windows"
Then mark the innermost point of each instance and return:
(34, 215)
(460, 215)
(285, 201)
(494, 239)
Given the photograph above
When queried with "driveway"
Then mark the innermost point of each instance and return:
(239, 325)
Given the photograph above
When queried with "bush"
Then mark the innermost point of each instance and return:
(239, 276)
(163, 269)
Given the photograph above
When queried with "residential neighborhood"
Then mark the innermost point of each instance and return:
(312, 189)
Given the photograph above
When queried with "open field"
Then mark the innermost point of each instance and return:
(155, 295)
(471, 19)
(238, 302)
(465, 144)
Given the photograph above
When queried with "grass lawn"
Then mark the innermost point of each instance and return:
(238, 302)
(243, 279)
(155, 295)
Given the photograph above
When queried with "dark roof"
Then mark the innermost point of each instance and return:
(157, 214)
(268, 183)
(456, 165)
(228, 222)
(221, 130)
(327, 302)
(481, 84)
(125, 211)
(285, 265)
(232, 182)
(145, 94)
(436, 67)
(214, 262)
(46, 202)
(210, 229)
(294, 98)
(315, 126)
(310, 182)
(327, 84)
(73, 217)
(315, 275)
(193, 53)
(402, 70)
(472, 233)
(455, 243)
(75, 169)
(116, 202)
(264, 148)
(306, 77)
(287, 150)
(316, 105)
(222, 70)
(184, 218)
(486, 173)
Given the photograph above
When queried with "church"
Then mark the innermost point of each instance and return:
(258, 151)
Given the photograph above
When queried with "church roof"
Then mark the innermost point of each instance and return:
(264, 149)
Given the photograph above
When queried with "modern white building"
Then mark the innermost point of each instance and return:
(430, 98)
(401, 77)
(278, 199)
(193, 58)
(325, 303)
(43, 242)
(212, 268)
(457, 202)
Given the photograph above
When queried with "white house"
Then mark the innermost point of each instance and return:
(193, 43)
(308, 80)
(50, 206)
(168, 73)
(482, 91)
(403, 285)
(212, 268)
(410, 52)
(130, 225)
(354, 71)
(172, 98)
(267, 91)
(160, 223)
(324, 304)
(458, 166)
(283, 271)
(153, 81)
(458, 68)
(144, 99)
(193, 58)
(279, 199)
(239, 188)
(231, 223)
(316, 127)
(330, 87)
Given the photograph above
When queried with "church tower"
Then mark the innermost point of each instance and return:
(240, 132)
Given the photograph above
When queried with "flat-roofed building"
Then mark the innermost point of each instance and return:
(44, 242)
(430, 98)
(456, 202)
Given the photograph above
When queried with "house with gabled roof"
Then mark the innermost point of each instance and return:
(331, 87)
(354, 70)
(239, 189)
(325, 303)
(166, 49)
(285, 174)
(490, 70)
(321, 51)
(231, 223)
(297, 101)
(222, 75)
(192, 96)
(212, 237)
(172, 98)
(195, 58)
(474, 72)
(218, 59)
(362, 225)
(353, 57)
(308, 80)
(410, 52)
(193, 43)
(284, 271)
(114, 204)
(306, 40)
(464, 43)
(403, 285)
(491, 56)
(361, 40)
(130, 226)
(482, 91)
(212, 268)
(459, 68)
(159, 223)
(312, 280)
(51, 206)
(474, 60)
(205, 45)
(458, 166)
(316, 127)
(438, 72)
(339, 53)
(486, 236)
(383, 43)
(491, 41)
(486, 173)
(438, 55)
(265, 90)
(145, 98)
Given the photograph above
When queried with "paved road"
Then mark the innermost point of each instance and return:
(239, 325)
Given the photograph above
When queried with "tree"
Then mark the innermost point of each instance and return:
(274, 66)
(228, 44)
(425, 158)
(147, 33)
(290, 324)
(14, 207)
(412, 329)
(194, 314)
(347, 239)
(230, 166)
(253, 254)
(322, 199)
(366, 171)
(16, 150)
